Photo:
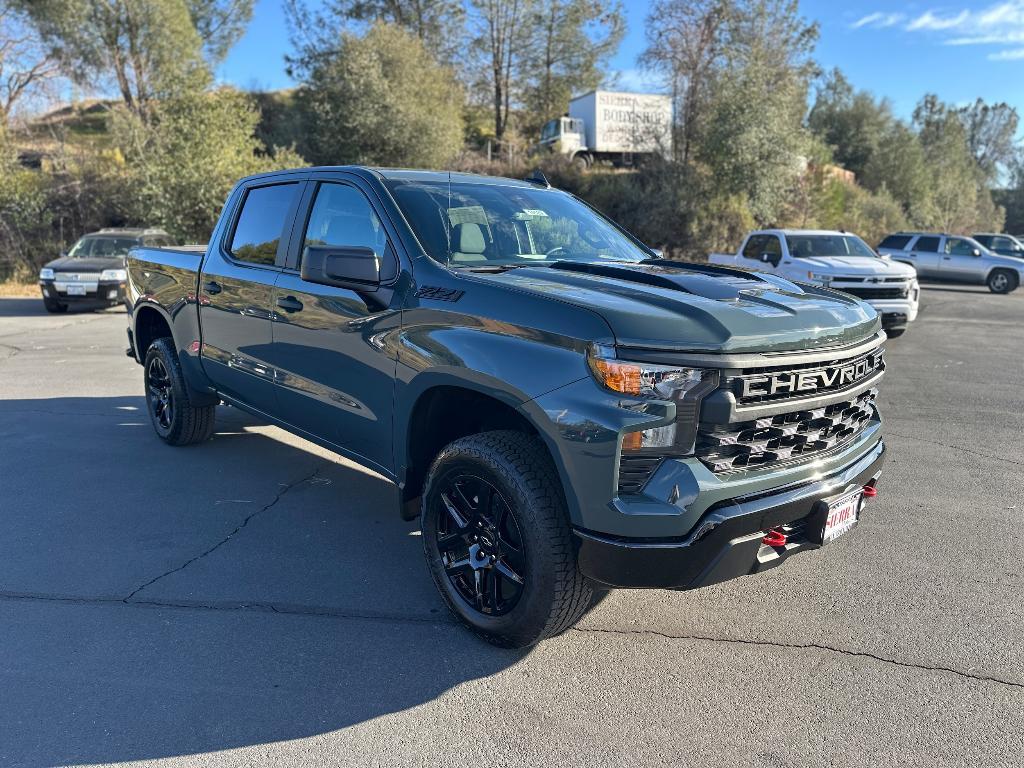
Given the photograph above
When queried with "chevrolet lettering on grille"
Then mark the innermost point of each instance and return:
(820, 379)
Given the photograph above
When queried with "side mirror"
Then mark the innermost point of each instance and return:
(63, 254)
(355, 267)
(766, 258)
(976, 252)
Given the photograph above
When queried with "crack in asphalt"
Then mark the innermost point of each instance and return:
(444, 620)
(955, 448)
(226, 539)
(805, 646)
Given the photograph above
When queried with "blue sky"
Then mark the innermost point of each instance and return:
(901, 50)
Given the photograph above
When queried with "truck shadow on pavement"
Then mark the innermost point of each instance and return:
(159, 602)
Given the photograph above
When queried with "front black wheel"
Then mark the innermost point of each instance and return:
(175, 419)
(54, 307)
(497, 540)
(895, 333)
(1002, 281)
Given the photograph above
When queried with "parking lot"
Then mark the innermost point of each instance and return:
(257, 600)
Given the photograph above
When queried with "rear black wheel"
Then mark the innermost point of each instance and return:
(497, 540)
(175, 419)
(1002, 281)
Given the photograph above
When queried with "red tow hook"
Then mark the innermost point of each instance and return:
(775, 538)
(870, 491)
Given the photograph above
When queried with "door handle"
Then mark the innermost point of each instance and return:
(946, 258)
(289, 304)
(212, 287)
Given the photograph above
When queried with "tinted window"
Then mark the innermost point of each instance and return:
(927, 244)
(755, 246)
(158, 241)
(259, 227)
(342, 217)
(113, 246)
(1000, 243)
(896, 242)
(958, 247)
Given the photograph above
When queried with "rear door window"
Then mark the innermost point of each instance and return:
(895, 242)
(261, 222)
(927, 244)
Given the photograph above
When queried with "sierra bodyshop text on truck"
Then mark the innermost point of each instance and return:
(561, 408)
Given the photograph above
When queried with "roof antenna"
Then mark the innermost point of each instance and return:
(537, 177)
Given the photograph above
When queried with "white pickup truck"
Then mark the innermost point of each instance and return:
(836, 260)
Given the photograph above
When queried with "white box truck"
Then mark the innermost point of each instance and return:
(611, 126)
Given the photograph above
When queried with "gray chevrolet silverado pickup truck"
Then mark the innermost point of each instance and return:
(564, 411)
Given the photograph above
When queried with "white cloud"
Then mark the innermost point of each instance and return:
(1000, 24)
(930, 21)
(878, 20)
(1013, 54)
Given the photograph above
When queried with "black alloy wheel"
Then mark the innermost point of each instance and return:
(481, 545)
(159, 393)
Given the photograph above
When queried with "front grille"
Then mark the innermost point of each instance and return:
(876, 293)
(772, 439)
(782, 382)
(76, 277)
(635, 471)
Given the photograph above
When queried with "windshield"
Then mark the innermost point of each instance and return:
(80, 249)
(809, 246)
(490, 225)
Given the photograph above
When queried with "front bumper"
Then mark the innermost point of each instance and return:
(727, 541)
(100, 293)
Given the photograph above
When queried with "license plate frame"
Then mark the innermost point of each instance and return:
(842, 514)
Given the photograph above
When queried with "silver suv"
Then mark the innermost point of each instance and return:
(954, 259)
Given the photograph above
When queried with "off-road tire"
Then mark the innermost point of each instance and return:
(55, 307)
(1002, 281)
(555, 595)
(187, 424)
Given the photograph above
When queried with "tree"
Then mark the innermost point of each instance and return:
(24, 62)
(572, 41)
(991, 131)
(851, 122)
(182, 162)
(436, 23)
(383, 100)
(685, 44)
(219, 23)
(502, 39)
(149, 49)
(898, 166)
(960, 200)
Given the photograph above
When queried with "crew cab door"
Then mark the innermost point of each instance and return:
(236, 289)
(959, 262)
(335, 367)
(924, 255)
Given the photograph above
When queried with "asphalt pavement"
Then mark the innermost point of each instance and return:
(256, 600)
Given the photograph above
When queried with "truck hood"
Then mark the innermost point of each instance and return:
(856, 266)
(89, 264)
(675, 306)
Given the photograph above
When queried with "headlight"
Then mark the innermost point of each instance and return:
(819, 277)
(114, 274)
(684, 386)
(46, 274)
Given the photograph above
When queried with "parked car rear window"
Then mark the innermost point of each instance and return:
(896, 242)
(927, 244)
(261, 222)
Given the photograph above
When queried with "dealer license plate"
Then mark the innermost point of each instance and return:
(843, 514)
(76, 290)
